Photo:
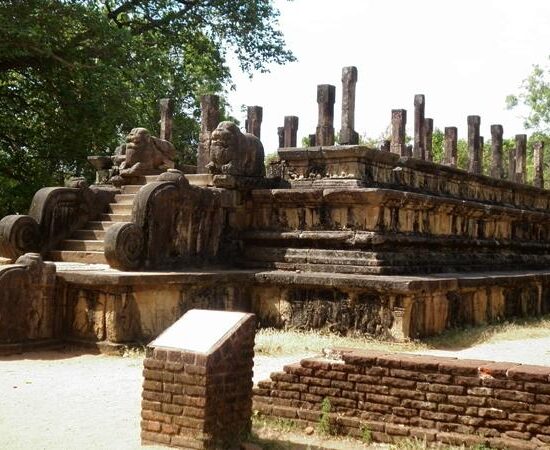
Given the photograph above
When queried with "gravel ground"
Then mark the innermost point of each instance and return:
(67, 400)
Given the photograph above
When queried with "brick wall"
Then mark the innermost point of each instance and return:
(503, 405)
(199, 401)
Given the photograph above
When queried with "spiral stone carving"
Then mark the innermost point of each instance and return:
(124, 246)
(18, 235)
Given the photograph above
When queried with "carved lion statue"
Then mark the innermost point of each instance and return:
(143, 154)
(235, 153)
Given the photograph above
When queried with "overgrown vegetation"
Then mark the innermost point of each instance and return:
(77, 75)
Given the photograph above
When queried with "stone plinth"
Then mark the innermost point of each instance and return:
(197, 389)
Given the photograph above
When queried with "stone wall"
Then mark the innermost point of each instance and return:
(29, 312)
(394, 396)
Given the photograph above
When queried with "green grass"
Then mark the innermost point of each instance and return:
(274, 342)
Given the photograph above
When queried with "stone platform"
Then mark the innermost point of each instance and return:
(104, 305)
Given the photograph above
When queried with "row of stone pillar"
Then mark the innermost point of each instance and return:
(324, 133)
(422, 149)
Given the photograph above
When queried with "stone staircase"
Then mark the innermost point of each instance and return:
(86, 245)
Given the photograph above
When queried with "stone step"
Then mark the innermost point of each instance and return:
(150, 178)
(86, 257)
(116, 217)
(120, 208)
(131, 188)
(201, 179)
(125, 198)
(82, 244)
(89, 234)
(98, 225)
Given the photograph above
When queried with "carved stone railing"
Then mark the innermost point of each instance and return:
(27, 303)
(173, 224)
(55, 213)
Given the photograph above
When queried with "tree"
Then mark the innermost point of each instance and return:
(535, 95)
(77, 75)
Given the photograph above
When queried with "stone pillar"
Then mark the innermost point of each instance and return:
(481, 150)
(281, 136)
(451, 139)
(474, 157)
(210, 117)
(254, 116)
(538, 159)
(419, 105)
(326, 94)
(291, 131)
(427, 141)
(496, 152)
(512, 164)
(385, 145)
(312, 140)
(348, 135)
(398, 124)
(521, 155)
(166, 113)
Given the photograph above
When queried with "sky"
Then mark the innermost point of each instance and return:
(465, 56)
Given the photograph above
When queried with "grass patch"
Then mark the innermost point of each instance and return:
(272, 342)
(519, 329)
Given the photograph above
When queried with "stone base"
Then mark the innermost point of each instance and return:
(105, 305)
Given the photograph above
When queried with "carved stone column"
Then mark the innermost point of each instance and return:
(166, 113)
(348, 135)
(254, 116)
(312, 140)
(427, 141)
(419, 105)
(538, 159)
(521, 155)
(210, 117)
(474, 163)
(496, 152)
(281, 136)
(326, 95)
(398, 124)
(291, 131)
(451, 139)
(512, 164)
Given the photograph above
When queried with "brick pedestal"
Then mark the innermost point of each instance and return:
(197, 389)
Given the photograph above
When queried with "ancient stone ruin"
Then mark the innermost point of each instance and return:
(344, 237)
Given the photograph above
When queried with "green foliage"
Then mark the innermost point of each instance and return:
(77, 75)
(324, 426)
(535, 95)
(438, 147)
(366, 434)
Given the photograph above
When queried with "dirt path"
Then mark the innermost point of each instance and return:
(68, 400)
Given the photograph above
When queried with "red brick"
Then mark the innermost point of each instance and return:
(342, 384)
(151, 406)
(480, 391)
(459, 439)
(516, 396)
(187, 442)
(468, 400)
(405, 412)
(169, 428)
(171, 409)
(311, 381)
(163, 397)
(501, 384)
(197, 391)
(307, 397)
(492, 413)
(376, 389)
(306, 414)
(297, 369)
(423, 434)
(496, 369)
(289, 413)
(444, 389)
(287, 377)
(348, 368)
(407, 394)
(149, 436)
(398, 382)
(506, 425)
(529, 373)
(384, 399)
(507, 405)
(538, 388)
(195, 370)
(432, 397)
(451, 409)
(331, 374)
(189, 422)
(172, 388)
(362, 358)
(370, 379)
(454, 428)
(529, 418)
(286, 394)
(438, 416)
(151, 363)
(332, 392)
(518, 435)
(422, 423)
(377, 371)
(467, 367)
(467, 381)
(428, 406)
(198, 413)
(150, 374)
(397, 430)
(540, 408)
(375, 407)
(408, 374)
(149, 425)
(511, 444)
(472, 421)
(156, 416)
(313, 363)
